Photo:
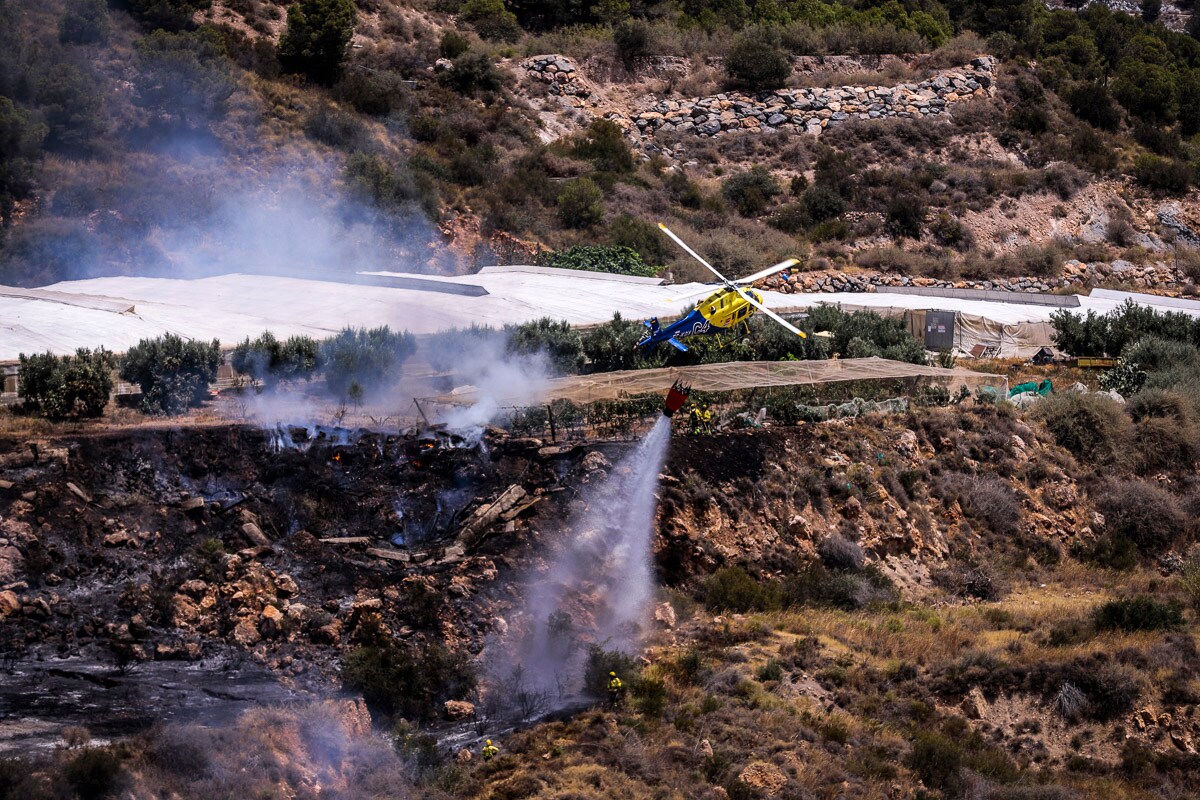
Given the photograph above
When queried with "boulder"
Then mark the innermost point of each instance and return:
(246, 634)
(595, 460)
(194, 588)
(327, 634)
(665, 613)
(9, 603)
(120, 539)
(975, 705)
(255, 536)
(270, 623)
(764, 776)
(285, 586)
(192, 504)
(457, 709)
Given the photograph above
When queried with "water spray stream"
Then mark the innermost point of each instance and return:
(599, 588)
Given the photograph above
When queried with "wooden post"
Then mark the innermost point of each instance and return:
(550, 414)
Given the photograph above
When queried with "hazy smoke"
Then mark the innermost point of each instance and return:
(599, 587)
(499, 379)
(285, 226)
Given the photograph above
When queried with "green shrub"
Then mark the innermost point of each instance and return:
(362, 360)
(632, 39)
(20, 146)
(649, 695)
(599, 258)
(600, 662)
(1169, 176)
(93, 774)
(174, 375)
(67, 387)
(821, 202)
(604, 145)
(377, 93)
(1092, 103)
(876, 335)
(688, 667)
(1126, 378)
(758, 61)
(85, 22)
(317, 38)
(580, 204)
(641, 236)
(751, 192)
(949, 231)
(392, 189)
(1109, 334)
(453, 44)
(407, 681)
(905, 215)
(1189, 581)
(170, 15)
(183, 78)
(560, 342)
(1144, 513)
(1094, 428)
(733, 589)
(472, 72)
(1113, 552)
(1137, 614)
(491, 20)
(936, 759)
(848, 590)
(269, 360)
(770, 671)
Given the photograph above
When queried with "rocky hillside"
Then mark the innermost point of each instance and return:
(947, 142)
(935, 600)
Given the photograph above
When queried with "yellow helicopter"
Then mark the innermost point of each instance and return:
(722, 311)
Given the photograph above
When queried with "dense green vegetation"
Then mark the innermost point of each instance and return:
(67, 387)
(174, 374)
(358, 361)
(269, 360)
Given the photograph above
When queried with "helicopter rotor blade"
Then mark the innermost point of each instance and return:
(694, 254)
(708, 289)
(780, 267)
(771, 313)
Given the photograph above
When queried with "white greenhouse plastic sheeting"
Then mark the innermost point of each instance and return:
(118, 312)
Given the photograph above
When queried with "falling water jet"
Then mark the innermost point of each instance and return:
(600, 585)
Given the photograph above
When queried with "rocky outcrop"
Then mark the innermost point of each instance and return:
(562, 78)
(813, 109)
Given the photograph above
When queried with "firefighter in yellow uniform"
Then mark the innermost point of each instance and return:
(489, 750)
(615, 687)
(700, 420)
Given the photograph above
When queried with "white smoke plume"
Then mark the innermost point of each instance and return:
(600, 584)
(487, 372)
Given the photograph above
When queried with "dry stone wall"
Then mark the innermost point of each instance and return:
(810, 110)
(813, 109)
(1159, 276)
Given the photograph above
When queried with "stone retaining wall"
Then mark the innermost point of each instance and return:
(1159, 276)
(812, 110)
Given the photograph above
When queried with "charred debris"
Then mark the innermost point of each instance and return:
(191, 544)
